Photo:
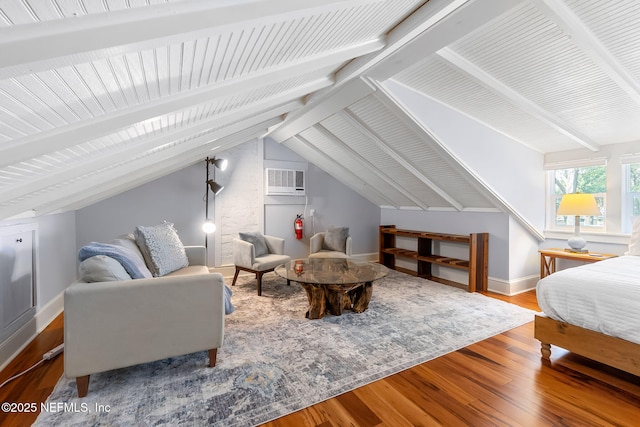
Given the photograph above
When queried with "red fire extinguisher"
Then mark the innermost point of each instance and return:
(298, 226)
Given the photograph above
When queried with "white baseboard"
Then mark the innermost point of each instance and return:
(512, 287)
(13, 345)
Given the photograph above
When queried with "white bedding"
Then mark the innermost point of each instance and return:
(603, 296)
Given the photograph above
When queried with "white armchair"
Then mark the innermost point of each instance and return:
(318, 247)
(245, 259)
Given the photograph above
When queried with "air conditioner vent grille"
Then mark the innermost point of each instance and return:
(285, 182)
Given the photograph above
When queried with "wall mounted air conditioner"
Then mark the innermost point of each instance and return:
(285, 182)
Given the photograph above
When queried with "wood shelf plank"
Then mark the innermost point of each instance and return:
(476, 265)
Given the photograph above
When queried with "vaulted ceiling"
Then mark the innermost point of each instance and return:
(99, 96)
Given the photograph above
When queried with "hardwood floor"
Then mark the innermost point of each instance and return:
(499, 381)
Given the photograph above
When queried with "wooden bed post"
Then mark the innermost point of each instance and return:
(545, 349)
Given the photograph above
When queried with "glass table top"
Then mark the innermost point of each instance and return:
(325, 271)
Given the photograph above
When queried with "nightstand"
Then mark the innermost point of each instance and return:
(548, 258)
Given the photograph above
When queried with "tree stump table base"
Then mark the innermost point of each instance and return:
(333, 285)
(334, 299)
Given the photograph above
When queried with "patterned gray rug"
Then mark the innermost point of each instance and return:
(274, 361)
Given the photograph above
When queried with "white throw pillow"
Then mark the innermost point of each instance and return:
(161, 247)
(634, 242)
(101, 268)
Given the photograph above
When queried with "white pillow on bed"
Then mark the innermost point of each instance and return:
(634, 242)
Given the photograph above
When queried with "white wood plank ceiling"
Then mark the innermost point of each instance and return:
(110, 94)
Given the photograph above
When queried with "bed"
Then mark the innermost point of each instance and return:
(594, 311)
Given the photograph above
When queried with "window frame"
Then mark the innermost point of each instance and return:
(627, 217)
(553, 198)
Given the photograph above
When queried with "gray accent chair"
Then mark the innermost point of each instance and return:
(316, 245)
(244, 258)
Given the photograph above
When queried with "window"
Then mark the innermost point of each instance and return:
(588, 179)
(631, 195)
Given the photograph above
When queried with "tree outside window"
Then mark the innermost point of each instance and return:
(592, 180)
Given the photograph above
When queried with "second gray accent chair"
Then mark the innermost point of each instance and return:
(333, 243)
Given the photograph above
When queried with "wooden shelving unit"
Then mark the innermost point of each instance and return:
(476, 265)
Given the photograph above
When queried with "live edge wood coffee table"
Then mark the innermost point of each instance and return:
(333, 284)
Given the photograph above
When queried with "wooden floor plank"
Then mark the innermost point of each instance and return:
(498, 381)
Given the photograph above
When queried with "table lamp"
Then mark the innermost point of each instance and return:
(578, 204)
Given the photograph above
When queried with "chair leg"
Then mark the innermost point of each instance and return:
(235, 276)
(213, 353)
(83, 385)
(288, 282)
(259, 280)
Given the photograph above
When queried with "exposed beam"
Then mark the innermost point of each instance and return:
(471, 177)
(169, 165)
(478, 74)
(428, 16)
(402, 161)
(234, 120)
(77, 133)
(130, 174)
(372, 168)
(590, 44)
(311, 114)
(433, 26)
(322, 160)
(112, 32)
(349, 88)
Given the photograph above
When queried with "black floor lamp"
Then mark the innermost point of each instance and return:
(209, 225)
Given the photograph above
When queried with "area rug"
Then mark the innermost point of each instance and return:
(274, 361)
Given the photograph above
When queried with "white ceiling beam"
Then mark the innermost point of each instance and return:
(100, 185)
(408, 43)
(590, 44)
(371, 167)
(399, 158)
(86, 130)
(426, 17)
(479, 75)
(172, 165)
(235, 120)
(321, 160)
(30, 44)
(454, 161)
(349, 88)
(313, 113)
(435, 25)
(77, 133)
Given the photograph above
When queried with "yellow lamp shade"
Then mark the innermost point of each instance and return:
(579, 204)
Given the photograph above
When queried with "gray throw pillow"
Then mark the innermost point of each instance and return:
(335, 239)
(161, 247)
(101, 268)
(258, 241)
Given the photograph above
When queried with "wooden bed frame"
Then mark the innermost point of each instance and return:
(615, 352)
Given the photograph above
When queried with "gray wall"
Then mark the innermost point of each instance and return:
(335, 206)
(242, 205)
(55, 253)
(496, 224)
(55, 269)
(177, 198)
